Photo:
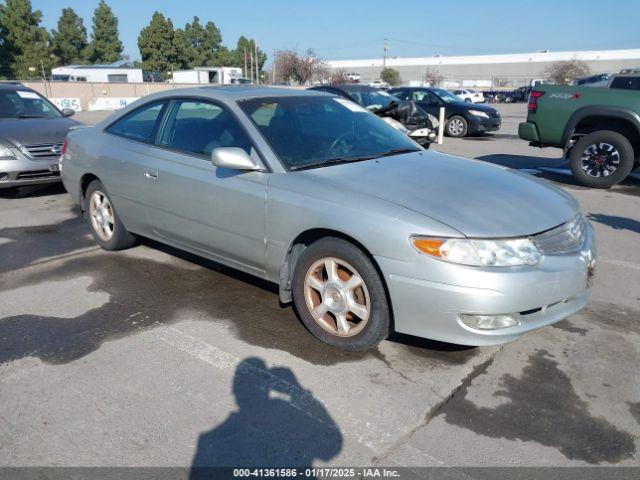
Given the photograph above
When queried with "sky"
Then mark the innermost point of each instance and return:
(356, 29)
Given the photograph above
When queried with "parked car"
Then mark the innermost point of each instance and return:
(405, 116)
(599, 80)
(362, 229)
(32, 131)
(626, 81)
(597, 128)
(377, 83)
(469, 96)
(462, 118)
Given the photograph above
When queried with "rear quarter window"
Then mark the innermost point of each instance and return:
(139, 125)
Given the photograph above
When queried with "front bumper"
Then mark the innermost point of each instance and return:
(482, 124)
(428, 296)
(25, 171)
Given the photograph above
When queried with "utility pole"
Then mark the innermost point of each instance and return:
(255, 44)
(246, 72)
(384, 54)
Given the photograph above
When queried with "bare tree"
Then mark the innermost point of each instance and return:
(339, 77)
(563, 73)
(290, 66)
(433, 77)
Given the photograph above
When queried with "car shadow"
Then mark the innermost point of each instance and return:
(278, 423)
(32, 191)
(615, 222)
(555, 170)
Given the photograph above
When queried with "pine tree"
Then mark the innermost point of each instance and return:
(105, 46)
(203, 44)
(158, 49)
(70, 40)
(26, 48)
(247, 45)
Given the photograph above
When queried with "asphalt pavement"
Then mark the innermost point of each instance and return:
(154, 357)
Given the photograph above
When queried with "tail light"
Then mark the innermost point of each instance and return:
(532, 107)
(64, 148)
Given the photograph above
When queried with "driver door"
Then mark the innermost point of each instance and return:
(217, 211)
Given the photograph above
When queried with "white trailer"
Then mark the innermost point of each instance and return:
(211, 76)
(190, 76)
(97, 73)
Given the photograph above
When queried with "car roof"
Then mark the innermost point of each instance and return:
(240, 92)
(13, 86)
(349, 87)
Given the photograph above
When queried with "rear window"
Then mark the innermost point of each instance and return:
(626, 83)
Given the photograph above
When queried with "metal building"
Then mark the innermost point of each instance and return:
(509, 70)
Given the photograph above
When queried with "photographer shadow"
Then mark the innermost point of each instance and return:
(278, 423)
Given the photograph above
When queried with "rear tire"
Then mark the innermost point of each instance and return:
(352, 318)
(601, 159)
(106, 227)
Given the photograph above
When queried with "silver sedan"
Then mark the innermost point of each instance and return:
(361, 228)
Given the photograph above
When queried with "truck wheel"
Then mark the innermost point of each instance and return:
(339, 295)
(601, 159)
(457, 127)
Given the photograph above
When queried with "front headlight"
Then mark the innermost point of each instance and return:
(6, 153)
(480, 252)
(479, 113)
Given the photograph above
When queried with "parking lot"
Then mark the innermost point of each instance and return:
(150, 356)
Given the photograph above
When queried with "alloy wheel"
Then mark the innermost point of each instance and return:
(337, 297)
(456, 127)
(101, 214)
(600, 160)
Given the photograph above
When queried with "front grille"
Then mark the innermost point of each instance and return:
(494, 114)
(36, 174)
(566, 239)
(44, 150)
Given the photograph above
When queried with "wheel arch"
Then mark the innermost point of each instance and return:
(302, 241)
(85, 181)
(593, 118)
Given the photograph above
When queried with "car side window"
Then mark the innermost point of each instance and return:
(402, 94)
(197, 126)
(422, 96)
(139, 125)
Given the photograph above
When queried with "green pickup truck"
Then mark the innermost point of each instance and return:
(598, 128)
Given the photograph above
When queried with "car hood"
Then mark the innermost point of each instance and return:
(475, 106)
(31, 131)
(476, 198)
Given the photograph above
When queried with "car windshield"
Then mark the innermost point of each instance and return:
(446, 95)
(372, 99)
(314, 131)
(26, 104)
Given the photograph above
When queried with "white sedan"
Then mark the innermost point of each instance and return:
(472, 96)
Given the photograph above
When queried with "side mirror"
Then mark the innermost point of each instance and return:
(68, 112)
(235, 158)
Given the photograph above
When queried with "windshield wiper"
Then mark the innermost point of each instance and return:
(336, 160)
(30, 116)
(333, 161)
(397, 151)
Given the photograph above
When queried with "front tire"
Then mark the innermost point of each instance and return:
(457, 127)
(601, 159)
(339, 295)
(106, 227)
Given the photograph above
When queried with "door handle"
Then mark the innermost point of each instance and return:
(151, 175)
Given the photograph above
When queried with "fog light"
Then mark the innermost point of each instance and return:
(4, 177)
(491, 322)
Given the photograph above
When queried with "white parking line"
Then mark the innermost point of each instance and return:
(365, 433)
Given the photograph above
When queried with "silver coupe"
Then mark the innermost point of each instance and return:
(361, 228)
